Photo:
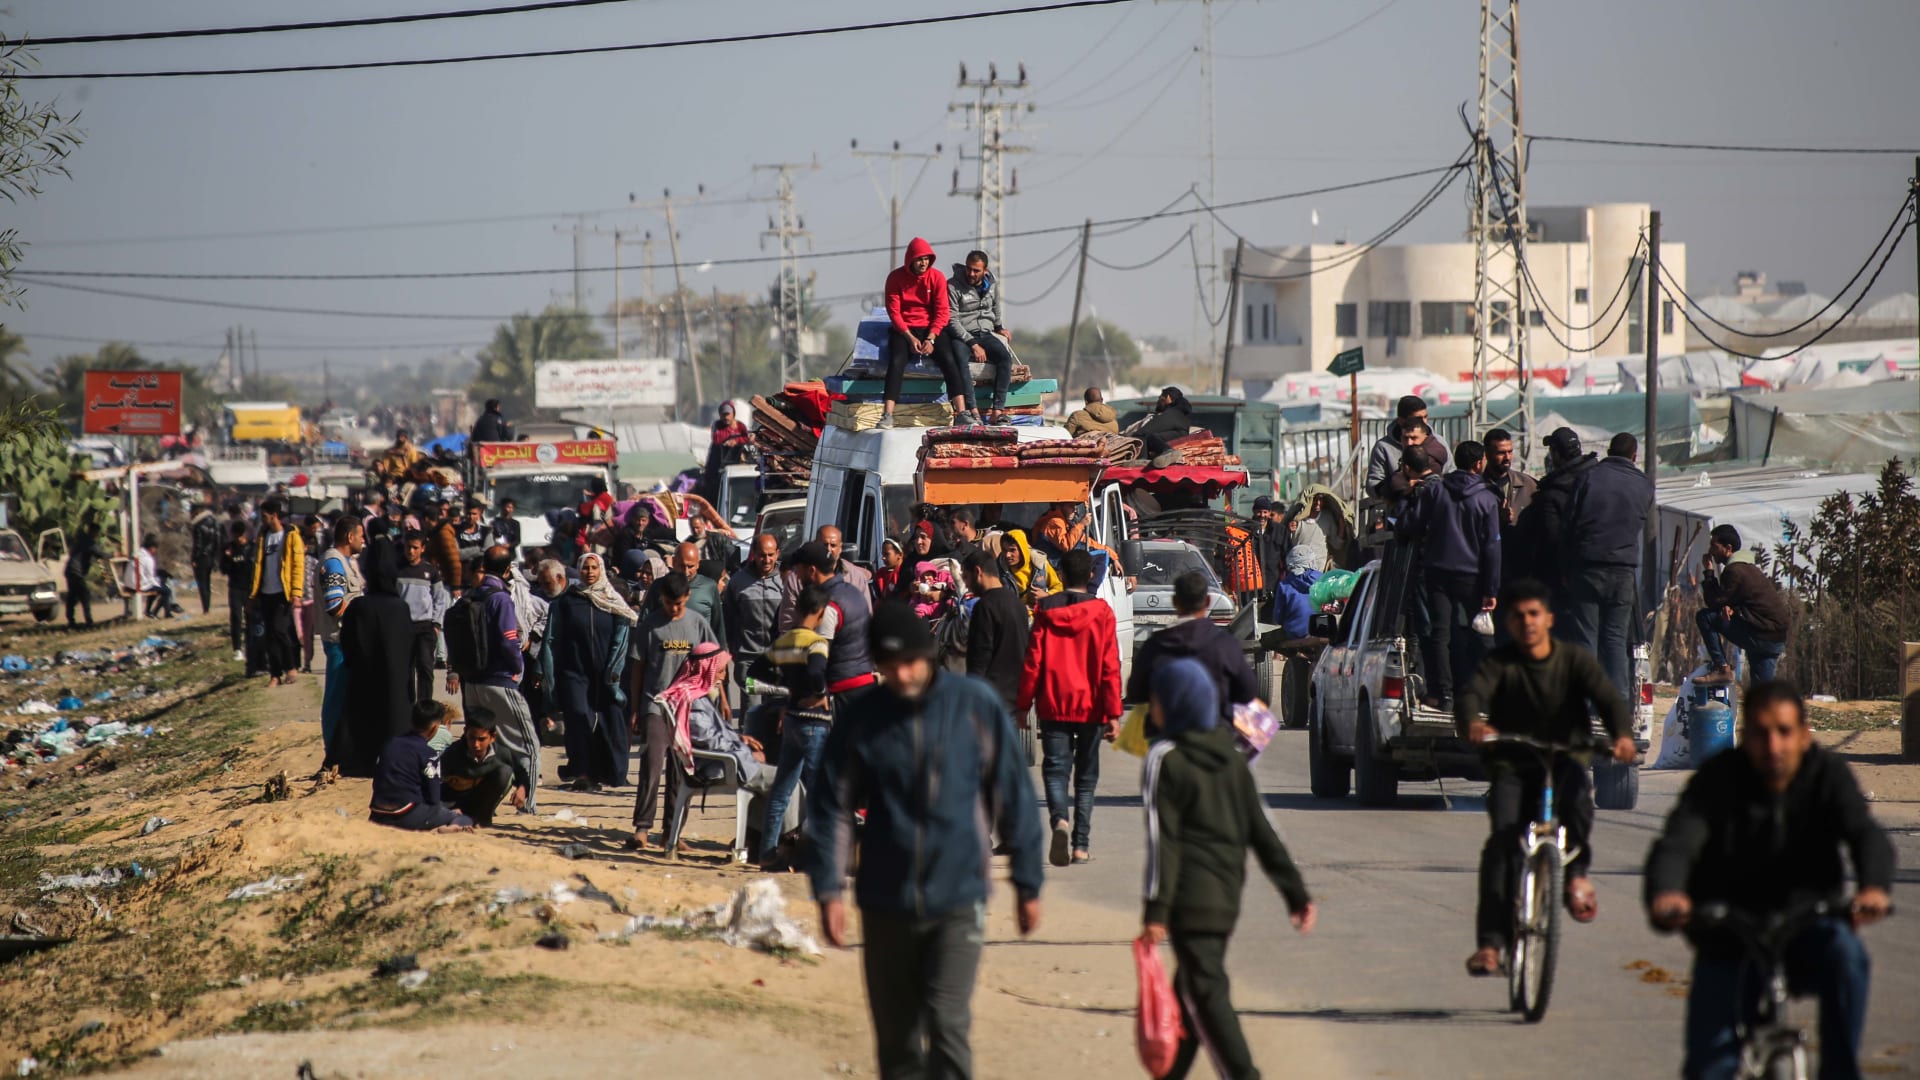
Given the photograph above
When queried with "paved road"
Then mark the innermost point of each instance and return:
(1382, 979)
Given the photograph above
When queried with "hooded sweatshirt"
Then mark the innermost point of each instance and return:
(1458, 523)
(1098, 416)
(917, 301)
(1203, 814)
(975, 308)
(1072, 669)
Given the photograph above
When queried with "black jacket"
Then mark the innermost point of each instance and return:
(1545, 524)
(1218, 651)
(1754, 598)
(1203, 813)
(491, 427)
(1607, 521)
(1546, 699)
(997, 641)
(1730, 840)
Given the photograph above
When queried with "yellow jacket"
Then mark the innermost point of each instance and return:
(293, 564)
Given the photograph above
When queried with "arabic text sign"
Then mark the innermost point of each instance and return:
(606, 384)
(571, 452)
(131, 403)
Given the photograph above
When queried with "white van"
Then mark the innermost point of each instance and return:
(868, 482)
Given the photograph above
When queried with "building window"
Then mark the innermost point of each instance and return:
(1501, 325)
(1249, 334)
(1666, 316)
(1536, 318)
(1346, 320)
(1445, 318)
(1266, 322)
(1580, 296)
(1389, 318)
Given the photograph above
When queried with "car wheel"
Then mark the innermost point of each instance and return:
(1328, 777)
(1615, 786)
(1376, 778)
(43, 614)
(1296, 692)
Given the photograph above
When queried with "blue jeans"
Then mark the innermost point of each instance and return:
(1071, 750)
(1601, 602)
(801, 744)
(998, 355)
(1716, 631)
(333, 700)
(1826, 960)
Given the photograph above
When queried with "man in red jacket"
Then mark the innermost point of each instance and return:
(917, 306)
(1072, 680)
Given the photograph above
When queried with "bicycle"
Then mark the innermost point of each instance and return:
(1770, 1047)
(1535, 942)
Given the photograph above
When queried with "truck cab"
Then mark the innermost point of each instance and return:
(543, 476)
(28, 583)
(868, 484)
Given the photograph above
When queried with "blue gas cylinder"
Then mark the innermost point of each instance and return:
(1709, 730)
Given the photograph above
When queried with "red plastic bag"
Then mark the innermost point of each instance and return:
(1158, 1031)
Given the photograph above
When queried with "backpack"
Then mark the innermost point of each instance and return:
(206, 542)
(469, 633)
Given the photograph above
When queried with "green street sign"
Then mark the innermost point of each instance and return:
(1347, 363)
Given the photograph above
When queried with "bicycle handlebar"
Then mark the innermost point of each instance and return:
(1770, 932)
(1579, 744)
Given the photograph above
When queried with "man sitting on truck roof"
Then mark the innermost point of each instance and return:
(1095, 417)
(399, 457)
(977, 335)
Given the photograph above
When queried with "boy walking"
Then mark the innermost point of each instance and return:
(1071, 680)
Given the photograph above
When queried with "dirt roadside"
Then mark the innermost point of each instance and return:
(167, 977)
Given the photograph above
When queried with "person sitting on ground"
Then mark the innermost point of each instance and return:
(1739, 605)
(476, 778)
(918, 308)
(147, 579)
(976, 333)
(406, 780)
(1094, 417)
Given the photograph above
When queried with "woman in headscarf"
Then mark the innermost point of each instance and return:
(888, 579)
(376, 634)
(1028, 572)
(582, 664)
(698, 680)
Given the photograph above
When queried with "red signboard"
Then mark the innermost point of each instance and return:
(571, 452)
(131, 403)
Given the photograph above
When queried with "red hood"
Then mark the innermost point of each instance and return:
(918, 248)
(1070, 619)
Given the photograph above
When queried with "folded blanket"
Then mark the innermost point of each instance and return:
(972, 434)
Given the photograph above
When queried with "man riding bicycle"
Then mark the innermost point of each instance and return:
(1759, 829)
(1538, 687)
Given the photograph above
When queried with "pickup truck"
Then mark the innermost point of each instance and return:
(28, 583)
(1366, 730)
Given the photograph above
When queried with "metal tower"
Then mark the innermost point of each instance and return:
(787, 227)
(1498, 226)
(992, 116)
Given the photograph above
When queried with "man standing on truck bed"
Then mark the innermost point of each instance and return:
(1385, 457)
(1456, 524)
(1544, 526)
(1195, 635)
(1607, 523)
(1538, 687)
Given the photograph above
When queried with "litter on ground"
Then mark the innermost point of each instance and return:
(274, 884)
(755, 917)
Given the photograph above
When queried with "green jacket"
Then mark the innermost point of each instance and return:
(1203, 813)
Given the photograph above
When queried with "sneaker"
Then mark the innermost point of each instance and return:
(1061, 853)
(965, 418)
(240, 656)
(886, 422)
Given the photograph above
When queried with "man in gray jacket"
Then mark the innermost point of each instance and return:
(975, 333)
(752, 604)
(1386, 452)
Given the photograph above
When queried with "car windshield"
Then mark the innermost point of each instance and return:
(534, 494)
(785, 525)
(1160, 565)
(737, 496)
(12, 548)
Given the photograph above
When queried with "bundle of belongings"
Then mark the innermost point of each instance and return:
(786, 429)
(1202, 448)
(1000, 448)
(857, 392)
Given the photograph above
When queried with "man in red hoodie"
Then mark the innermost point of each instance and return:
(1072, 680)
(917, 306)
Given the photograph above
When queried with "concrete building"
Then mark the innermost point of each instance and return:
(1412, 306)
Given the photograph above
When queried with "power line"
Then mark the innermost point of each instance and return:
(1899, 217)
(1107, 79)
(1346, 255)
(1171, 248)
(1046, 292)
(1123, 223)
(1091, 49)
(1345, 258)
(1128, 127)
(339, 24)
(1317, 42)
(92, 339)
(1721, 147)
(1809, 343)
(1184, 54)
(592, 50)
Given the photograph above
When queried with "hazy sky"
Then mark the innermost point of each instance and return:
(282, 173)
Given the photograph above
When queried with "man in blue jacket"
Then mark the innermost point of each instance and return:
(495, 692)
(1607, 525)
(1456, 523)
(934, 759)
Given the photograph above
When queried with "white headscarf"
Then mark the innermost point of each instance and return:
(602, 594)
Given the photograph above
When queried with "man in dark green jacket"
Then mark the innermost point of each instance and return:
(1203, 813)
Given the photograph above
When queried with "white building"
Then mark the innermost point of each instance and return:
(1412, 306)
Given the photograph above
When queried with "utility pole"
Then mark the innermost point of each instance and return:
(1211, 267)
(1073, 328)
(890, 197)
(992, 117)
(665, 206)
(788, 228)
(253, 341)
(1498, 225)
(621, 238)
(1651, 384)
(1233, 313)
(579, 231)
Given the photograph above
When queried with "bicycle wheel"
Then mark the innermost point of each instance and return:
(1543, 935)
(1517, 939)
